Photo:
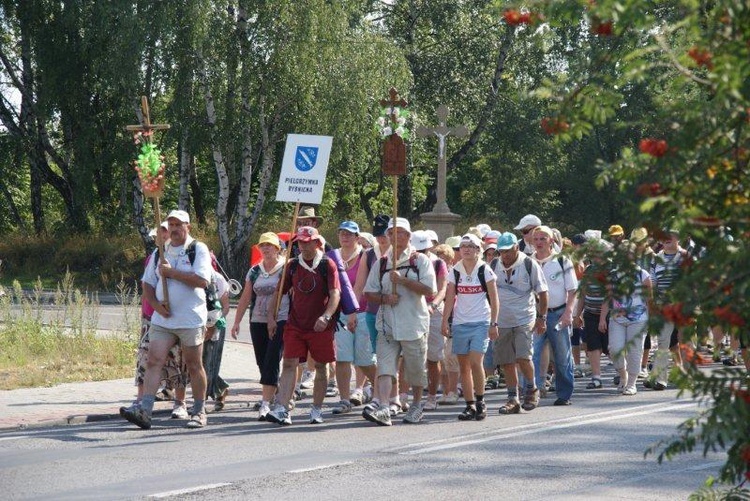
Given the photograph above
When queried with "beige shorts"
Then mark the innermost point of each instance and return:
(513, 344)
(450, 362)
(187, 337)
(435, 338)
(415, 358)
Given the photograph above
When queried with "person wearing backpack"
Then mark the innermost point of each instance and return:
(471, 301)
(183, 319)
(260, 286)
(563, 286)
(314, 283)
(399, 283)
(522, 294)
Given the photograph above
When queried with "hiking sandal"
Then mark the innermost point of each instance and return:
(595, 384)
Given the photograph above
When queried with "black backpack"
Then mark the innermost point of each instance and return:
(480, 275)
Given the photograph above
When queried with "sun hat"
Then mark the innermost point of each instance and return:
(592, 234)
(307, 233)
(453, 242)
(638, 235)
(506, 241)
(528, 220)
(350, 226)
(270, 238)
(308, 212)
(432, 236)
(484, 229)
(368, 236)
(545, 229)
(180, 215)
(400, 222)
(420, 240)
(616, 230)
(472, 239)
(492, 236)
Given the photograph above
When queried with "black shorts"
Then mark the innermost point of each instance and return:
(594, 339)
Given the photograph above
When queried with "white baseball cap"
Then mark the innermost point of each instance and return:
(401, 222)
(420, 240)
(179, 214)
(528, 220)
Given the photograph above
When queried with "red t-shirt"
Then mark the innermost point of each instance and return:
(310, 294)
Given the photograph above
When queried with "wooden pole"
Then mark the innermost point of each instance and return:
(394, 243)
(288, 255)
(161, 256)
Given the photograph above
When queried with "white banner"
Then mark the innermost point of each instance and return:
(303, 170)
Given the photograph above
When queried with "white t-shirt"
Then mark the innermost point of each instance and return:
(560, 280)
(516, 292)
(632, 308)
(186, 304)
(471, 300)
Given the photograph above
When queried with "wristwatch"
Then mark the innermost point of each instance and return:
(327, 318)
(541, 317)
(493, 324)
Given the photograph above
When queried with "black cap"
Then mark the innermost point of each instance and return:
(379, 225)
(578, 239)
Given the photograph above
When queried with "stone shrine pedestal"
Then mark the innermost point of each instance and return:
(441, 223)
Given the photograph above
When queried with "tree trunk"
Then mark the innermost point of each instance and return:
(185, 169)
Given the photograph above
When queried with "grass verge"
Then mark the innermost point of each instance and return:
(42, 345)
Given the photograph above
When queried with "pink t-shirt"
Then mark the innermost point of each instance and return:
(441, 270)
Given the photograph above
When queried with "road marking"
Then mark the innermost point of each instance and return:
(13, 438)
(539, 427)
(187, 491)
(322, 467)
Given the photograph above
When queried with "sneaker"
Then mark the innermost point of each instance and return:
(256, 405)
(616, 380)
(367, 394)
(404, 399)
(643, 374)
(137, 416)
(659, 386)
(468, 414)
(531, 399)
(448, 399)
(431, 404)
(394, 408)
(197, 420)
(316, 415)
(279, 415)
(125, 410)
(629, 391)
(595, 384)
(371, 406)
(332, 390)
(648, 383)
(413, 415)
(180, 412)
(561, 401)
(263, 412)
(481, 411)
(378, 415)
(578, 372)
(343, 407)
(357, 398)
(308, 380)
(512, 406)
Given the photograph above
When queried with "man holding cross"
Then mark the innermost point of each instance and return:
(183, 319)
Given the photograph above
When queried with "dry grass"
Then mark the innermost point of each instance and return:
(38, 351)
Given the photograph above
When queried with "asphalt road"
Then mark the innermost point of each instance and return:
(593, 450)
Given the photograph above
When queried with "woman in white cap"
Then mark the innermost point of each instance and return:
(260, 286)
(471, 300)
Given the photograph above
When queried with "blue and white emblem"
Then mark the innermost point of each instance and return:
(305, 158)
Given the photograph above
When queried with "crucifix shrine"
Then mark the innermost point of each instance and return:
(441, 219)
(150, 168)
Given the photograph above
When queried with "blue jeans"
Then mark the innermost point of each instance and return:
(562, 355)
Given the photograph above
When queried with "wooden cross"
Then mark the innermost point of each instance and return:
(442, 131)
(146, 125)
(147, 128)
(394, 158)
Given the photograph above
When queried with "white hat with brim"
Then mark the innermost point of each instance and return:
(528, 220)
(400, 222)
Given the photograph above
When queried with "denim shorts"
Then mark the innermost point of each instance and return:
(472, 336)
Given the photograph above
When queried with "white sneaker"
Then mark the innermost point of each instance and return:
(367, 393)
(394, 408)
(316, 415)
(629, 391)
(357, 398)
(413, 415)
(263, 411)
(332, 390)
(431, 404)
(644, 373)
(180, 412)
(279, 415)
(448, 399)
(343, 407)
(308, 380)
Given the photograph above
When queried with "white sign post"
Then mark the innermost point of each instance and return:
(303, 170)
(302, 179)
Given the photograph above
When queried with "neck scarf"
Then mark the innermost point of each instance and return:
(316, 261)
(266, 273)
(517, 262)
